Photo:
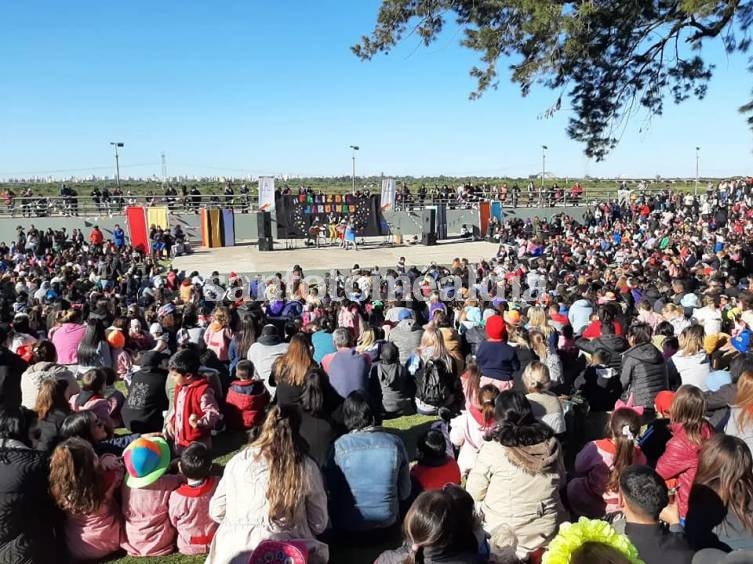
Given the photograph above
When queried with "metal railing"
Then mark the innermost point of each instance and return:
(72, 206)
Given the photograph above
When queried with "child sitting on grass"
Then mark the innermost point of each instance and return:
(246, 400)
(189, 504)
(145, 494)
(194, 412)
(435, 468)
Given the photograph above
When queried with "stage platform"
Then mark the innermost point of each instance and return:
(247, 259)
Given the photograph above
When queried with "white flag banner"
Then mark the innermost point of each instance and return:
(388, 193)
(266, 193)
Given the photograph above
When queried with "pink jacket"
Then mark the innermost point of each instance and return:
(467, 431)
(98, 534)
(148, 529)
(587, 492)
(218, 341)
(66, 340)
(189, 514)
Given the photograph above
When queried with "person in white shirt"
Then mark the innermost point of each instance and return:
(709, 316)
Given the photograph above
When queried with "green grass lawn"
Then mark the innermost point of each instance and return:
(227, 444)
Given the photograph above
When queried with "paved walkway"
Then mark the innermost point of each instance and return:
(247, 259)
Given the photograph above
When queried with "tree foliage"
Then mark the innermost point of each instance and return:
(603, 58)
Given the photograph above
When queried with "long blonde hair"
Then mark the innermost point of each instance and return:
(744, 400)
(366, 340)
(539, 345)
(433, 340)
(537, 321)
(281, 446)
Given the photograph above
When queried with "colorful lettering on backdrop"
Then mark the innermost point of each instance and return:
(296, 214)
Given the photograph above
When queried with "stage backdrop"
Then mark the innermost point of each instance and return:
(296, 214)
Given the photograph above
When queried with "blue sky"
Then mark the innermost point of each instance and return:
(251, 87)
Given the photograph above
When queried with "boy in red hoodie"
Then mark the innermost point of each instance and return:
(246, 400)
(195, 410)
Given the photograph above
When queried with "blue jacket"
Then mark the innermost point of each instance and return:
(367, 476)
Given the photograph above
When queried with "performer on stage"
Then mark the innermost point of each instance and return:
(341, 227)
(350, 235)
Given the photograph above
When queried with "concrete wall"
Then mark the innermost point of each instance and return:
(405, 222)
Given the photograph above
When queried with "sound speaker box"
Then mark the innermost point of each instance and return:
(266, 244)
(264, 224)
(429, 221)
(429, 239)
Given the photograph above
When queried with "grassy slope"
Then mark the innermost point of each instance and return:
(409, 428)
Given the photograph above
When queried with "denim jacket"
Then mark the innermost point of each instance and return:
(367, 476)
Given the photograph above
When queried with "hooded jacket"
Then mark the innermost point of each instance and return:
(644, 374)
(393, 383)
(407, 336)
(35, 374)
(600, 387)
(580, 315)
(519, 487)
(611, 345)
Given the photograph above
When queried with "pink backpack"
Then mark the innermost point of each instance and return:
(282, 552)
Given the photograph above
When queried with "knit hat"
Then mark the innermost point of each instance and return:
(165, 310)
(116, 339)
(663, 401)
(145, 460)
(495, 328)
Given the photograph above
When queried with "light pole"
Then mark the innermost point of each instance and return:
(544, 149)
(355, 148)
(117, 144)
(697, 162)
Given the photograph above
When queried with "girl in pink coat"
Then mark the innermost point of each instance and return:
(593, 492)
(468, 429)
(84, 487)
(145, 494)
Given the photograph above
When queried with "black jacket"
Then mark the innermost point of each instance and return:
(11, 368)
(47, 430)
(320, 432)
(600, 387)
(612, 346)
(28, 516)
(644, 374)
(657, 545)
(717, 405)
(147, 399)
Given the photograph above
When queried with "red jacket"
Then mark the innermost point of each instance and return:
(96, 237)
(593, 331)
(680, 462)
(194, 391)
(245, 404)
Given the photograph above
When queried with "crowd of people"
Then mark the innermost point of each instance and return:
(588, 393)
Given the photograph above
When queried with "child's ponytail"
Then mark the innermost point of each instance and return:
(487, 396)
(473, 380)
(624, 426)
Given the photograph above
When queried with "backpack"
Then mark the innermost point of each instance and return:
(433, 383)
(284, 552)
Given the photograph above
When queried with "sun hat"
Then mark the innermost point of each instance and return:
(145, 460)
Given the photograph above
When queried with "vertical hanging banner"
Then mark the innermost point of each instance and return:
(388, 194)
(266, 193)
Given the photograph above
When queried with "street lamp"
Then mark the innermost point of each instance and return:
(697, 162)
(355, 148)
(117, 144)
(544, 149)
